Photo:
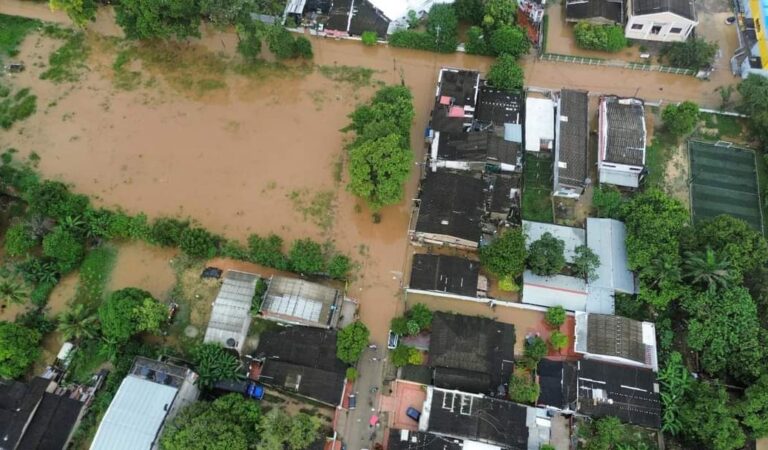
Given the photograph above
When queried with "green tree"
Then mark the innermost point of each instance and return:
(707, 270)
(546, 255)
(555, 316)
(167, 231)
(707, 420)
(302, 48)
(304, 431)
(214, 363)
(754, 103)
(506, 254)
(351, 374)
(267, 251)
(306, 256)
(229, 422)
(608, 38)
(558, 340)
(403, 355)
(606, 433)
(607, 200)
(279, 431)
(399, 326)
(724, 329)
(369, 38)
(694, 53)
(476, 43)
(339, 266)
(413, 327)
(471, 11)
(19, 240)
(129, 311)
(680, 119)
(497, 13)
(442, 26)
(505, 73)
(78, 323)
(148, 19)
(676, 381)
(585, 263)
(731, 239)
(198, 243)
(80, 11)
(753, 408)
(351, 341)
(53, 199)
(523, 388)
(64, 248)
(510, 40)
(421, 315)
(12, 293)
(18, 349)
(281, 42)
(535, 350)
(227, 12)
(378, 170)
(248, 42)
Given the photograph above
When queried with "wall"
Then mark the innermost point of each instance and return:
(666, 20)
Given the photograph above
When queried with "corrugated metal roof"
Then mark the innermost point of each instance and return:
(299, 301)
(607, 239)
(619, 177)
(135, 415)
(557, 290)
(231, 314)
(573, 237)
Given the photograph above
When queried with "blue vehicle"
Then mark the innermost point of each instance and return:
(250, 389)
(255, 391)
(413, 413)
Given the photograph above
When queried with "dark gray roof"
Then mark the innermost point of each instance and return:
(338, 16)
(626, 131)
(557, 380)
(462, 380)
(452, 205)
(684, 8)
(17, 404)
(573, 134)
(308, 353)
(417, 374)
(480, 146)
(500, 198)
(479, 418)
(417, 440)
(461, 85)
(497, 107)
(615, 336)
(366, 17)
(629, 393)
(472, 344)
(52, 423)
(445, 274)
(609, 10)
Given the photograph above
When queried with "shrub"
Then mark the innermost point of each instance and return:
(41, 292)
(476, 43)
(302, 48)
(64, 248)
(214, 363)
(306, 256)
(281, 42)
(18, 240)
(369, 38)
(403, 355)
(351, 374)
(124, 226)
(558, 340)
(505, 73)
(681, 119)
(248, 42)
(441, 34)
(693, 54)
(609, 38)
(53, 199)
(420, 314)
(167, 231)
(18, 349)
(412, 39)
(523, 388)
(555, 316)
(339, 267)
(399, 325)
(535, 349)
(507, 284)
(198, 243)
(267, 251)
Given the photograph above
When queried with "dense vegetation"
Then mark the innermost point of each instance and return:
(440, 35)
(609, 38)
(694, 53)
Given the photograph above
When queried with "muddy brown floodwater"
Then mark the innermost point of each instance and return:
(143, 266)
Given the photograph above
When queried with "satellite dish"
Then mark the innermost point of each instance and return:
(231, 342)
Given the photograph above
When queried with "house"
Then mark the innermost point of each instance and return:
(231, 314)
(597, 12)
(504, 204)
(451, 275)
(557, 383)
(471, 354)
(539, 124)
(295, 301)
(555, 290)
(302, 360)
(450, 209)
(660, 20)
(629, 393)
(616, 339)
(37, 415)
(483, 422)
(571, 173)
(474, 150)
(621, 141)
(152, 393)
(607, 240)
(455, 100)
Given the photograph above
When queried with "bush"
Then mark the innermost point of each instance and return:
(41, 292)
(124, 226)
(369, 38)
(53, 199)
(167, 231)
(535, 349)
(506, 255)
(555, 316)
(412, 39)
(507, 284)
(399, 325)
(506, 73)
(351, 374)
(402, 355)
(558, 340)
(693, 54)
(302, 48)
(306, 256)
(17, 107)
(198, 243)
(18, 349)
(64, 248)
(214, 363)
(523, 388)
(420, 314)
(681, 119)
(476, 43)
(281, 43)
(510, 40)
(608, 38)
(19, 240)
(339, 267)
(267, 251)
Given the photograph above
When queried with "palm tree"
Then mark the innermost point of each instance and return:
(706, 269)
(664, 268)
(11, 292)
(78, 323)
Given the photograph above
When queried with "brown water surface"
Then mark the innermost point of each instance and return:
(143, 266)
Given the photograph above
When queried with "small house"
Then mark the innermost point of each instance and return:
(616, 339)
(571, 173)
(621, 141)
(539, 124)
(231, 314)
(660, 20)
(450, 275)
(294, 301)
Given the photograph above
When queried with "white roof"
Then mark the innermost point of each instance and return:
(135, 415)
(397, 9)
(619, 177)
(475, 445)
(231, 314)
(539, 122)
(607, 239)
(557, 290)
(573, 237)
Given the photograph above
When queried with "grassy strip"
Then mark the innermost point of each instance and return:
(94, 275)
(657, 158)
(67, 63)
(537, 186)
(13, 30)
(356, 76)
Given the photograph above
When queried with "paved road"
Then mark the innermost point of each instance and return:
(354, 426)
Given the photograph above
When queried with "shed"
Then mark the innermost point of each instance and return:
(539, 124)
(616, 339)
(231, 314)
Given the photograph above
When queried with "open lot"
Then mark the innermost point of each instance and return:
(537, 187)
(724, 181)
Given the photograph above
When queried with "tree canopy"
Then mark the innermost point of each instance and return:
(585, 262)
(694, 53)
(66, 249)
(608, 38)
(497, 13)
(707, 419)
(730, 238)
(680, 119)
(546, 255)
(18, 349)
(148, 19)
(510, 40)
(351, 341)
(80, 11)
(506, 254)
(754, 103)
(214, 363)
(130, 311)
(306, 256)
(505, 73)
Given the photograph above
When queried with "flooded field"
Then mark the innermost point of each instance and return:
(143, 266)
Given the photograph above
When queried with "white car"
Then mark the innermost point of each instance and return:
(392, 340)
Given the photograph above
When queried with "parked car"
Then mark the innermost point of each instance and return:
(392, 340)
(211, 272)
(413, 413)
(352, 401)
(250, 389)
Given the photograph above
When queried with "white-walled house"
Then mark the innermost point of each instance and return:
(660, 20)
(621, 141)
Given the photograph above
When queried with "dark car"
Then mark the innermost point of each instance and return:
(211, 272)
(413, 413)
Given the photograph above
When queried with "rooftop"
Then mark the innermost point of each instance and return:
(616, 338)
(505, 188)
(570, 166)
(557, 380)
(445, 273)
(231, 314)
(609, 10)
(625, 123)
(479, 146)
(451, 205)
(556, 290)
(367, 17)
(303, 360)
(300, 302)
(498, 107)
(539, 124)
(455, 100)
(416, 440)
(607, 239)
(477, 418)
(683, 8)
(474, 354)
(571, 236)
(629, 393)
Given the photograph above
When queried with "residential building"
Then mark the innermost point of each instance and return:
(597, 12)
(571, 172)
(616, 339)
(471, 354)
(301, 360)
(451, 275)
(539, 124)
(38, 414)
(450, 209)
(418, 440)
(607, 240)
(455, 100)
(231, 314)
(557, 383)
(572, 237)
(556, 290)
(660, 20)
(295, 301)
(474, 150)
(152, 393)
(621, 141)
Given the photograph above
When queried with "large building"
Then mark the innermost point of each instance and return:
(621, 141)
(450, 275)
(152, 393)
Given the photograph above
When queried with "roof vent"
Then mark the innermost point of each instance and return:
(562, 164)
(563, 118)
(444, 222)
